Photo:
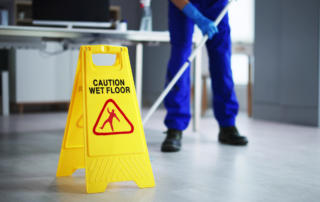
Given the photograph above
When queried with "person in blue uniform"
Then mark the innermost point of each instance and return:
(183, 15)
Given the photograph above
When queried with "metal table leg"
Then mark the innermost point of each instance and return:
(197, 91)
(5, 93)
(249, 87)
(139, 68)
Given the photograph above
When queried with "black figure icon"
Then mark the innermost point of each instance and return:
(112, 115)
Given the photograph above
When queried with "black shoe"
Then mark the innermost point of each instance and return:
(230, 135)
(172, 143)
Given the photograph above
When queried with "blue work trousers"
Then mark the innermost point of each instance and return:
(177, 102)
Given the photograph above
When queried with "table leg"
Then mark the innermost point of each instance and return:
(139, 68)
(204, 95)
(20, 108)
(5, 93)
(249, 88)
(197, 91)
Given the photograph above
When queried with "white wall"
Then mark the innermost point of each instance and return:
(241, 18)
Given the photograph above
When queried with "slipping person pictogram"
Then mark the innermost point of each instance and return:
(123, 127)
(112, 115)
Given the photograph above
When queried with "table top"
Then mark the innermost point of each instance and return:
(29, 36)
(49, 32)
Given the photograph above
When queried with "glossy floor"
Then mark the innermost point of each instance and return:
(281, 163)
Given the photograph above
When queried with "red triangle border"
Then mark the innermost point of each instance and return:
(112, 133)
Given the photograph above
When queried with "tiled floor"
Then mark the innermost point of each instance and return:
(281, 163)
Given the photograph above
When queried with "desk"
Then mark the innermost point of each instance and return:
(32, 37)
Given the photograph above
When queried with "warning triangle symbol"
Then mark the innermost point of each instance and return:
(112, 120)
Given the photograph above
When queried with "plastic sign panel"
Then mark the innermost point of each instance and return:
(104, 132)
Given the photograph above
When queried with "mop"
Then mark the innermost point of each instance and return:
(184, 67)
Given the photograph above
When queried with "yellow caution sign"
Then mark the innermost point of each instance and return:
(104, 132)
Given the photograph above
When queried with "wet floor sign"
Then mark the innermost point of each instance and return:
(104, 132)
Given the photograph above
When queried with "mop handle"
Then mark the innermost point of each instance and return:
(184, 67)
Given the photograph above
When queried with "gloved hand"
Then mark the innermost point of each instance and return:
(206, 26)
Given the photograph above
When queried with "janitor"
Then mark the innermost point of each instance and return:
(183, 15)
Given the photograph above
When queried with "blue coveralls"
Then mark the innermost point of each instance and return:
(177, 102)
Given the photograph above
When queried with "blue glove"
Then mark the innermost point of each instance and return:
(206, 26)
